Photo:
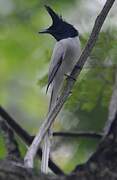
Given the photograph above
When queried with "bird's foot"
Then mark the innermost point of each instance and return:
(70, 77)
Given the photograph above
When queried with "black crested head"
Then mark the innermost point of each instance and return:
(59, 28)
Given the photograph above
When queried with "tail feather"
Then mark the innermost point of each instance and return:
(46, 153)
(56, 86)
(47, 142)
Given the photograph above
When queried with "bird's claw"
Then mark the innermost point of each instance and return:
(70, 77)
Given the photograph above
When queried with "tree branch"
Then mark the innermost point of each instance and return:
(102, 165)
(26, 138)
(69, 83)
(79, 134)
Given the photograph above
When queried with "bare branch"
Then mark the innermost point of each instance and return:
(23, 134)
(80, 134)
(69, 84)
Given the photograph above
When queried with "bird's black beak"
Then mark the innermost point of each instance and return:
(44, 31)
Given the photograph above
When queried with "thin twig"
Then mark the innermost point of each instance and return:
(69, 84)
(13, 152)
(80, 134)
(24, 135)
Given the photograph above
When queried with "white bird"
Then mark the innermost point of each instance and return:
(64, 57)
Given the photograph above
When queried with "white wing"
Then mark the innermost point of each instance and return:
(56, 60)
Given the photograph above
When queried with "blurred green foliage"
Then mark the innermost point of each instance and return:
(2, 147)
(24, 59)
